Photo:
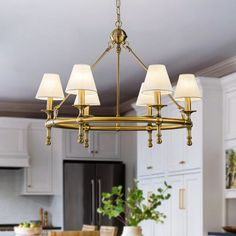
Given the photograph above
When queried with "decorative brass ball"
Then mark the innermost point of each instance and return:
(118, 36)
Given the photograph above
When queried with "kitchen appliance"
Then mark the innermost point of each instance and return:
(84, 183)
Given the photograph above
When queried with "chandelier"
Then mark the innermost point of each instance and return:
(156, 85)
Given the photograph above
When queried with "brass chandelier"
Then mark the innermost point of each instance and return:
(82, 85)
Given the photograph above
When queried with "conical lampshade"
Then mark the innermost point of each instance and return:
(144, 100)
(50, 87)
(157, 80)
(187, 87)
(81, 78)
(90, 100)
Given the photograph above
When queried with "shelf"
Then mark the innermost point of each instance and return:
(230, 193)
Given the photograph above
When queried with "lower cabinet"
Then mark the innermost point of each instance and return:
(183, 209)
(39, 176)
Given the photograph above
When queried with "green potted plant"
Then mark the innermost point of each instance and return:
(134, 209)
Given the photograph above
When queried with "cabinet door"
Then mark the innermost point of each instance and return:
(159, 154)
(147, 225)
(162, 229)
(177, 211)
(176, 143)
(106, 144)
(75, 150)
(193, 154)
(193, 205)
(39, 175)
(145, 165)
(230, 114)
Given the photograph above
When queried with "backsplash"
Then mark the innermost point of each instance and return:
(15, 208)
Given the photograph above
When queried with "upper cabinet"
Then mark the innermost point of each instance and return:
(173, 155)
(229, 109)
(39, 175)
(192, 171)
(151, 161)
(229, 118)
(102, 145)
(13, 143)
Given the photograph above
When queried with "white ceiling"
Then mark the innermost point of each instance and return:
(51, 35)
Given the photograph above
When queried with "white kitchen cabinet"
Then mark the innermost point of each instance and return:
(173, 155)
(151, 160)
(75, 150)
(182, 157)
(202, 192)
(102, 145)
(183, 209)
(176, 205)
(177, 143)
(39, 175)
(144, 154)
(106, 144)
(192, 200)
(185, 213)
(162, 229)
(230, 112)
(13, 142)
(147, 225)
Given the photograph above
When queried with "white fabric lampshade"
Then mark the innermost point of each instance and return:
(157, 80)
(144, 100)
(187, 87)
(90, 100)
(50, 87)
(81, 78)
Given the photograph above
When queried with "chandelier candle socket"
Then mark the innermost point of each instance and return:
(81, 84)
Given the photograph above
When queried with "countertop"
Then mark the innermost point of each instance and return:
(223, 234)
(10, 227)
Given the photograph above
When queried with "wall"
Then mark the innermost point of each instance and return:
(15, 208)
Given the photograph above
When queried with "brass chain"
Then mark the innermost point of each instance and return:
(118, 19)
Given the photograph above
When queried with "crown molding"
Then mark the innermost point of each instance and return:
(220, 69)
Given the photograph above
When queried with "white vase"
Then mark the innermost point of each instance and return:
(132, 231)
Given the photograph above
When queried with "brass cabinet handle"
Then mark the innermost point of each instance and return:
(96, 152)
(181, 199)
(92, 152)
(182, 162)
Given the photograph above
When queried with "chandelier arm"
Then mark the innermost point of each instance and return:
(181, 108)
(101, 56)
(57, 107)
(175, 102)
(138, 59)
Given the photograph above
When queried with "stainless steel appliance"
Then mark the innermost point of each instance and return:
(84, 183)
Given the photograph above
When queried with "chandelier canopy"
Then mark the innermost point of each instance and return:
(156, 85)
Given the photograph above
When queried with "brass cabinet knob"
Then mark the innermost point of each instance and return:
(182, 162)
(149, 167)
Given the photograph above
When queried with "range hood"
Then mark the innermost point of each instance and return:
(17, 161)
(13, 143)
